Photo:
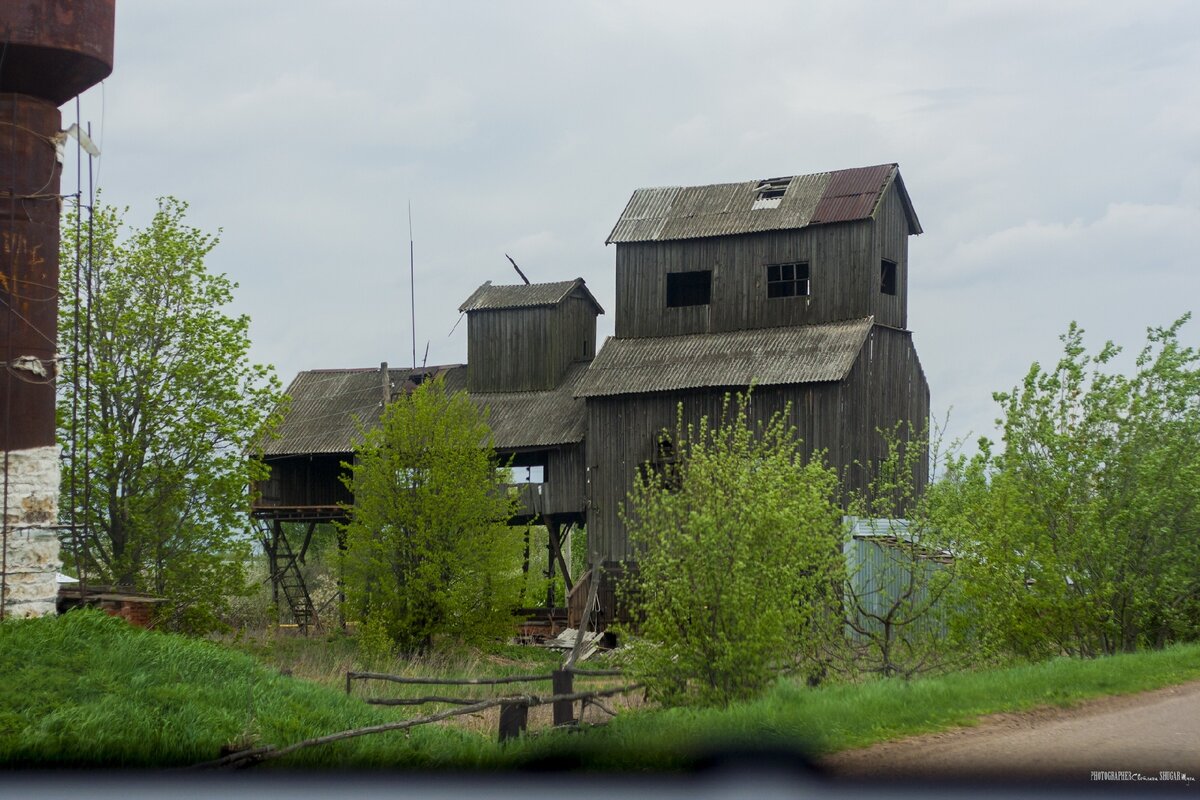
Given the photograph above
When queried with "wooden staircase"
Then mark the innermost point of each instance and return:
(287, 577)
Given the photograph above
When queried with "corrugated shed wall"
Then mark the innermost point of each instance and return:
(888, 573)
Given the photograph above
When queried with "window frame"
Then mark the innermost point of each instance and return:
(787, 281)
(889, 277)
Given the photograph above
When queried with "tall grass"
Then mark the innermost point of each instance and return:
(87, 689)
(828, 719)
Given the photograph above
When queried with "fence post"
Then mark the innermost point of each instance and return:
(564, 710)
(514, 718)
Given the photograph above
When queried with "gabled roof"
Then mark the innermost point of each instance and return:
(329, 405)
(693, 212)
(765, 356)
(490, 297)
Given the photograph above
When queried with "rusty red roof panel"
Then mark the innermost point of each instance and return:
(852, 194)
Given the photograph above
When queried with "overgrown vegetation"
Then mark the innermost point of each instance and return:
(1082, 536)
(161, 423)
(738, 548)
(429, 551)
(89, 690)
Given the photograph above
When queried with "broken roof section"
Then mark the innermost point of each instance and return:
(490, 298)
(765, 357)
(693, 212)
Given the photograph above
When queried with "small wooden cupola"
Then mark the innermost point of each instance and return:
(523, 337)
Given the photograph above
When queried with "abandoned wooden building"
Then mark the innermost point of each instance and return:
(797, 285)
(529, 349)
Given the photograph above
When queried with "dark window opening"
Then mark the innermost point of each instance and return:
(689, 288)
(788, 280)
(887, 277)
(663, 468)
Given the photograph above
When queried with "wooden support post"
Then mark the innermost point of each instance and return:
(552, 530)
(525, 565)
(514, 719)
(560, 535)
(308, 535)
(564, 710)
(341, 581)
(276, 528)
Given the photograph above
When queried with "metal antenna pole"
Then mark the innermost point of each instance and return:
(412, 292)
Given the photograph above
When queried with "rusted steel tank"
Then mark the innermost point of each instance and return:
(50, 51)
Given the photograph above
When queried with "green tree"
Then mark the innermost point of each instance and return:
(160, 411)
(429, 550)
(1083, 535)
(738, 549)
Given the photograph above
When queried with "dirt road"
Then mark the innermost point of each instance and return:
(1154, 734)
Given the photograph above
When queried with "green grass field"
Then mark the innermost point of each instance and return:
(89, 690)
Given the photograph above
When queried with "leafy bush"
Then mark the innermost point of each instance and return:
(738, 554)
(1083, 536)
(429, 550)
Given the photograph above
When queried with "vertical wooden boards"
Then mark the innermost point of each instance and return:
(843, 266)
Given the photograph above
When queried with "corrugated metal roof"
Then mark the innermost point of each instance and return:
(327, 407)
(767, 356)
(853, 194)
(537, 419)
(676, 212)
(491, 297)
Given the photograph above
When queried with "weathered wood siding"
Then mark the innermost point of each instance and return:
(891, 243)
(577, 326)
(623, 431)
(562, 494)
(304, 481)
(528, 349)
(886, 385)
(843, 270)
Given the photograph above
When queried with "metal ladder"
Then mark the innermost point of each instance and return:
(288, 577)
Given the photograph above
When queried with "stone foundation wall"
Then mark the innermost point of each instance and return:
(32, 552)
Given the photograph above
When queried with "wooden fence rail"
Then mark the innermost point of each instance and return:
(513, 716)
(549, 676)
(258, 754)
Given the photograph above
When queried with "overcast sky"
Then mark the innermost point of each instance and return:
(1051, 149)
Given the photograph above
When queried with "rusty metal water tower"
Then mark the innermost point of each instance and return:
(50, 51)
